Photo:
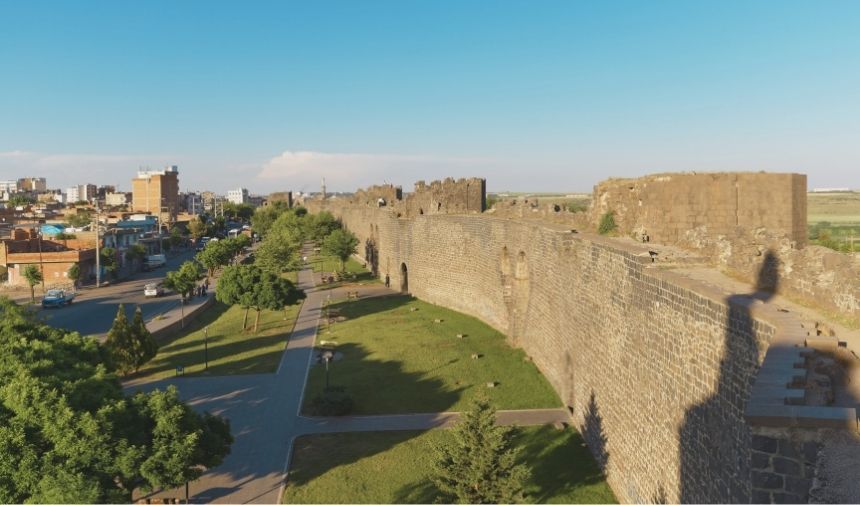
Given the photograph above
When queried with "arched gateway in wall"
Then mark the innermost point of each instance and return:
(404, 278)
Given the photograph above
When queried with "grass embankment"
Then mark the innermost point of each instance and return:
(400, 361)
(231, 350)
(394, 467)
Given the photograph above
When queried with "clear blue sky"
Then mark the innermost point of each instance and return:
(533, 95)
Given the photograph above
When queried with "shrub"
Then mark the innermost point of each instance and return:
(333, 401)
(607, 223)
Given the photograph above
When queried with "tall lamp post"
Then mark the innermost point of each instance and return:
(206, 348)
(327, 356)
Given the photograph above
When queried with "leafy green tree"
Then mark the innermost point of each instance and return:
(300, 211)
(175, 238)
(341, 244)
(107, 255)
(236, 287)
(19, 200)
(135, 253)
(145, 345)
(252, 288)
(121, 343)
(197, 228)
(183, 281)
(279, 252)
(265, 217)
(74, 273)
(216, 254)
(68, 434)
(79, 219)
(244, 211)
(319, 226)
(33, 276)
(478, 463)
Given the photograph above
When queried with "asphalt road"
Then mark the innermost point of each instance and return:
(94, 309)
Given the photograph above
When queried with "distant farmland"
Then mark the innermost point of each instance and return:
(834, 220)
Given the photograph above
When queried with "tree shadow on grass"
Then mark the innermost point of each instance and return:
(561, 465)
(191, 355)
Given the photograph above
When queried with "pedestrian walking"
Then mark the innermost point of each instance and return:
(387, 281)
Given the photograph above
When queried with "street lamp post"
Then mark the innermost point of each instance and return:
(206, 348)
(98, 252)
(327, 356)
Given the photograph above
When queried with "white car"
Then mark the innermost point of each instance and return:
(153, 289)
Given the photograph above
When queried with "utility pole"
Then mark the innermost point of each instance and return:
(98, 252)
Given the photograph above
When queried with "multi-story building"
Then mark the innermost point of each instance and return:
(33, 184)
(156, 192)
(8, 187)
(117, 199)
(238, 196)
(191, 203)
(81, 193)
(103, 191)
(208, 198)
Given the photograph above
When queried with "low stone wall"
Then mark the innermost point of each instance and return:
(163, 330)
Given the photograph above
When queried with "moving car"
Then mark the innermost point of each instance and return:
(153, 289)
(57, 298)
(154, 261)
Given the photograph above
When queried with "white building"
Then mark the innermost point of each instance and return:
(238, 196)
(117, 199)
(8, 187)
(81, 192)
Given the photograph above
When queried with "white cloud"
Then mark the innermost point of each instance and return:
(303, 170)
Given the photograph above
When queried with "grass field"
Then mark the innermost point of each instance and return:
(231, 350)
(834, 220)
(394, 467)
(356, 273)
(401, 361)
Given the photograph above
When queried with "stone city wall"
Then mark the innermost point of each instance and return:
(656, 370)
(664, 207)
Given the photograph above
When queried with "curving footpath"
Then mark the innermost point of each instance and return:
(264, 413)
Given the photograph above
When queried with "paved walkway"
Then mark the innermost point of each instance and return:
(264, 413)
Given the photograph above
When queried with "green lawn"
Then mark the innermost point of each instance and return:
(399, 361)
(394, 467)
(357, 274)
(231, 350)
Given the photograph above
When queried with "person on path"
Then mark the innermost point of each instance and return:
(387, 281)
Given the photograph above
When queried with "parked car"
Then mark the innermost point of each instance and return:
(153, 289)
(57, 298)
(154, 261)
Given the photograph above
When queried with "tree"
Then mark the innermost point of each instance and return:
(135, 252)
(120, 343)
(79, 219)
(68, 434)
(217, 253)
(279, 252)
(74, 273)
(183, 281)
(197, 228)
(19, 200)
(319, 226)
(264, 217)
(145, 345)
(341, 244)
(107, 255)
(236, 287)
(477, 464)
(175, 237)
(252, 288)
(33, 276)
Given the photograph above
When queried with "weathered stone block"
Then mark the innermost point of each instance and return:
(786, 498)
(767, 480)
(798, 486)
(787, 449)
(764, 444)
(760, 497)
(786, 466)
(760, 460)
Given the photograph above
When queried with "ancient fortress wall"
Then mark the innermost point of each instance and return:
(667, 206)
(655, 370)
